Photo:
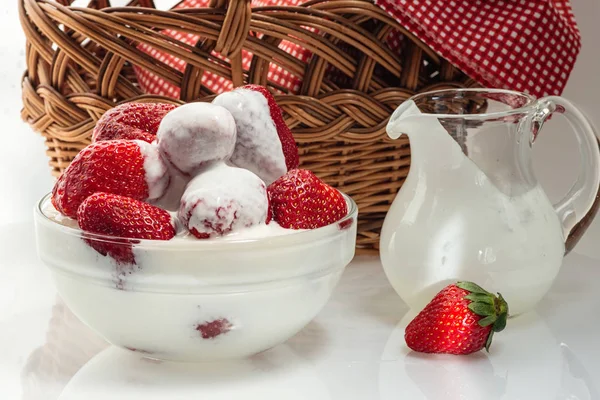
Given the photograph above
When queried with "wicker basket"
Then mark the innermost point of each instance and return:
(80, 65)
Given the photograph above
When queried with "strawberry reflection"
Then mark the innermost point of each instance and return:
(454, 377)
(525, 362)
(273, 375)
(69, 345)
(576, 380)
(75, 363)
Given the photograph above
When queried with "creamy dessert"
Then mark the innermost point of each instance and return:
(229, 266)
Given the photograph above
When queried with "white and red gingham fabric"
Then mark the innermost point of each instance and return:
(524, 45)
(151, 83)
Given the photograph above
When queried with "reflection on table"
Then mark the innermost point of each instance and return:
(525, 362)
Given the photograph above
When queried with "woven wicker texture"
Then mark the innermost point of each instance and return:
(80, 64)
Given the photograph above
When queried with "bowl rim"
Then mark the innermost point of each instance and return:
(298, 237)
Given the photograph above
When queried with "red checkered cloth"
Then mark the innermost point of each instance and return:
(524, 45)
(151, 83)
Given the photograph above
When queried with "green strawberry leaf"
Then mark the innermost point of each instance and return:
(480, 297)
(488, 343)
(471, 287)
(490, 319)
(502, 305)
(500, 323)
(482, 309)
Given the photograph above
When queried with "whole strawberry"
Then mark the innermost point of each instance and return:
(300, 200)
(131, 121)
(122, 217)
(128, 168)
(265, 145)
(461, 319)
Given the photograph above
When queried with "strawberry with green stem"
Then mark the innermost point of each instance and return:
(461, 319)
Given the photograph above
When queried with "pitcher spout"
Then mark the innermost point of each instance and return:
(397, 126)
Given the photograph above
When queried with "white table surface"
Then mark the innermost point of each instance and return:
(354, 349)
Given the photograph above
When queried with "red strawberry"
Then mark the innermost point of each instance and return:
(128, 168)
(122, 217)
(265, 144)
(461, 319)
(131, 121)
(212, 329)
(300, 200)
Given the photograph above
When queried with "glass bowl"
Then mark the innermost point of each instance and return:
(194, 300)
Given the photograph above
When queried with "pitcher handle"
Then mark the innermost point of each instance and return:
(579, 206)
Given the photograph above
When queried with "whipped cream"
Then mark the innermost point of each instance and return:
(157, 177)
(57, 217)
(259, 231)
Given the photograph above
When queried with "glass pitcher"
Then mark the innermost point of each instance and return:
(471, 207)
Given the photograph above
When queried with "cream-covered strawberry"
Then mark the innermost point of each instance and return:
(223, 199)
(131, 168)
(131, 121)
(194, 134)
(265, 144)
(122, 217)
(300, 200)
